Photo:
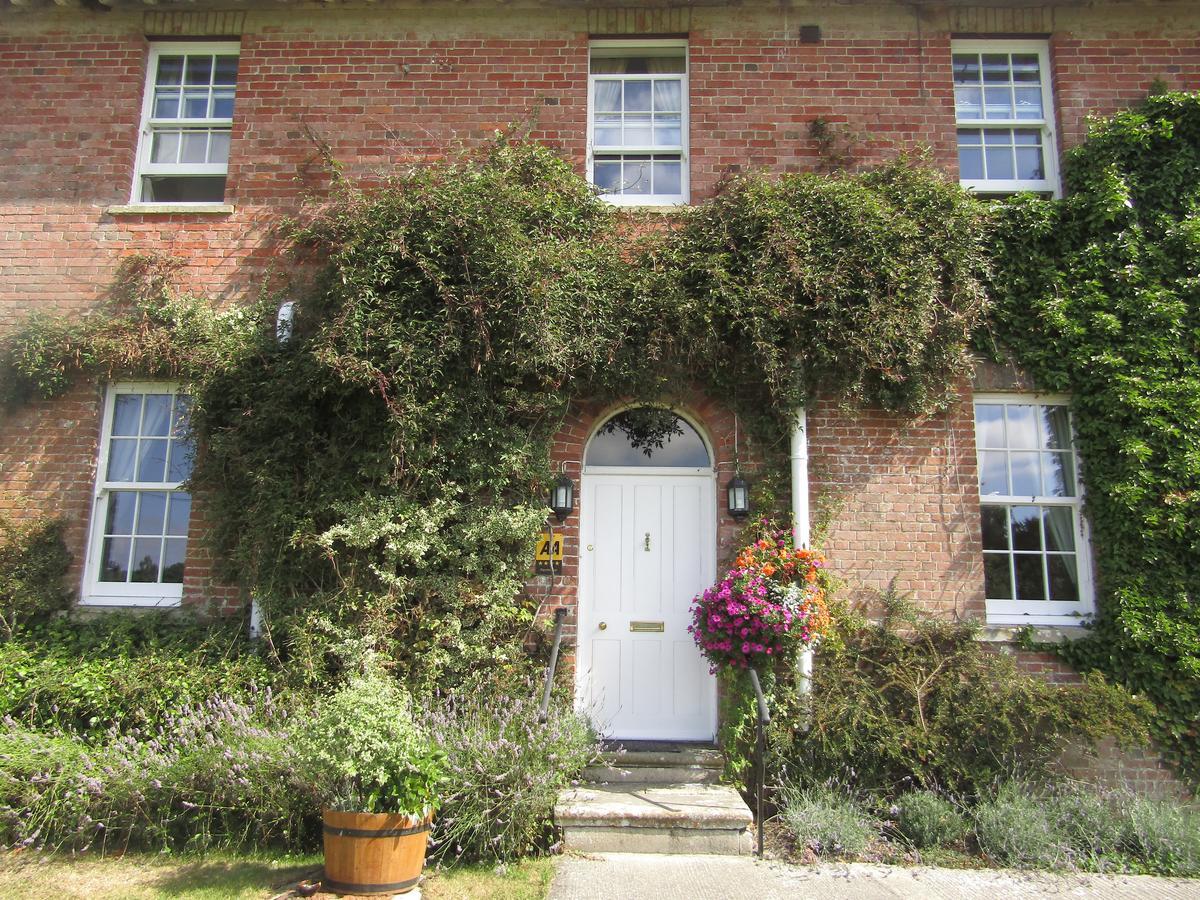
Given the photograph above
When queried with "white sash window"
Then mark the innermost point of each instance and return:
(187, 119)
(1004, 109)
(1036, 555)
(139, 535)
(638, 121)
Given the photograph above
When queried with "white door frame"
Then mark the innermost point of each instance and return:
(585, 618)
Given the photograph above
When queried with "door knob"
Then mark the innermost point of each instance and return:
(603, 625)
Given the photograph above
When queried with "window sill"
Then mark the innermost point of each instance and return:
(659, 209)
(153, 209)
(1041, 634)
(129, 602)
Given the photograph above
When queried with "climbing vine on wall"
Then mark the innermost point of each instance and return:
(1098, 295)
(377, 482)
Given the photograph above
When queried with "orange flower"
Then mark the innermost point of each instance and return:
(764, 544)
(810, 576)
(768, 570)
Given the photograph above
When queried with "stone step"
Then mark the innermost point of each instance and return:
(622, 774)
(668, 818)
(675, 765)
(682, 755)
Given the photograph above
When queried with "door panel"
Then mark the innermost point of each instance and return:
(647, 550)
(652, 540)
(608, 508)
(606, 679)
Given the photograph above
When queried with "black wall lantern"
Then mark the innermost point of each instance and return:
(739, 497)
(562, 497)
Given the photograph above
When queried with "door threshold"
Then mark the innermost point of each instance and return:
(664, 746)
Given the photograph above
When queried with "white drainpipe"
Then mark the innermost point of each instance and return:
(800, 530)
(255, 626)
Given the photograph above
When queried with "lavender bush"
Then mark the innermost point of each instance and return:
(504, 773)
(217, 774)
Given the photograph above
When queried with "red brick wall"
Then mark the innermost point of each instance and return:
(1140, 770)
(897, 501)
(1099, 74)
(379, 88)
(754, 98)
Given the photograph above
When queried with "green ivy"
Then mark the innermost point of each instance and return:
(33, 567)
(377, 482)
(1098, 295)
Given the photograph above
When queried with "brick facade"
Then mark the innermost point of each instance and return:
(381, 86)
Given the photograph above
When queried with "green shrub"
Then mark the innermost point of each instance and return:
(221, 773)
(927, 819)
(92, 674)
(365, 752)
(1054, 826)
(1091, 820)
(1165, 835)
(1015, 829)
(505, 772)
(918, 702)
(33, 564)
(827, 822)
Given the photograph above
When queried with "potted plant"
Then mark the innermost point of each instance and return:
(376, 771)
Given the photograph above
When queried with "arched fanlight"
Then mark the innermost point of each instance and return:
(739, 497)
(562, 496)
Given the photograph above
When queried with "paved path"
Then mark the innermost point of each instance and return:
(628, 876)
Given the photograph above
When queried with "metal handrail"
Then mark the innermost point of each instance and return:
(762, 721)
(560, 616)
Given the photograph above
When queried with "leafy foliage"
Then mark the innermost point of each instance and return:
(220, 773)
(365, 751)
(377, 483)
(858, 284)
(1077, 826)
(90, 675)
(919, 702)
(1099, 295)
(504, 772)
(33, 563)
(827, 822)
(928, 819)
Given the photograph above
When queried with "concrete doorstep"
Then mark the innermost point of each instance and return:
(660, 799)
(634, 876)
(650, 818)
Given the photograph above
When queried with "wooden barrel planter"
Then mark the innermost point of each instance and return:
(374, 853)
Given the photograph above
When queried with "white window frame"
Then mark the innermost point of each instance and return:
(684, 180)
(109, 593)
(1043, 612)
(142, 165)
(1050, 184)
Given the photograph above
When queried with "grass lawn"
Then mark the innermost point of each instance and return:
(229, 877)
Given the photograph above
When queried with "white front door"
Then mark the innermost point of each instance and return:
(648, 547)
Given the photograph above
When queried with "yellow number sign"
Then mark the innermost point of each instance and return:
(549, 555)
